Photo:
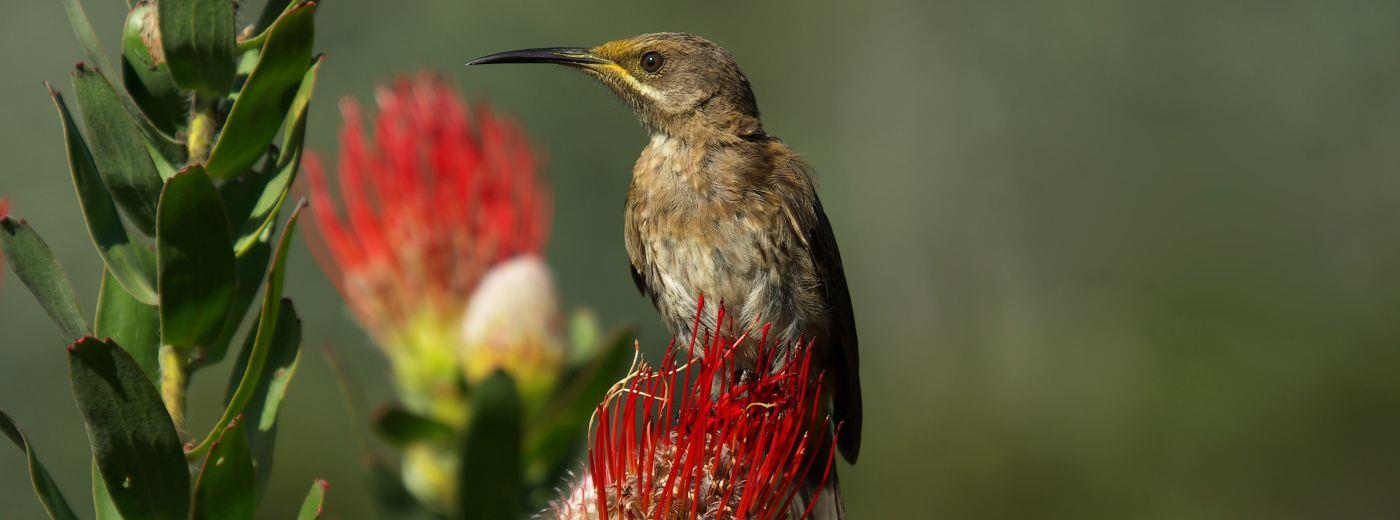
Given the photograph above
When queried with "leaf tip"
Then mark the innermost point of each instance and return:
(82, 342)
(83, 68)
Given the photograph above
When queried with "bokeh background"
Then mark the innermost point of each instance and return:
(1109, 259)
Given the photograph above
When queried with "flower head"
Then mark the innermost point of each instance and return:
(439, 201)
(699, 440)
(440, 194)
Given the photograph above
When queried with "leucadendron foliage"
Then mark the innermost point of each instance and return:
(182, 156)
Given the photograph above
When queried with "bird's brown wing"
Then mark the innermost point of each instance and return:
(639, 281)
(844, 364)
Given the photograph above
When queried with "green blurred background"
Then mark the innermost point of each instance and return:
(1109, 259)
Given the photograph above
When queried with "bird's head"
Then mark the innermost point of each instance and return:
(677, 83)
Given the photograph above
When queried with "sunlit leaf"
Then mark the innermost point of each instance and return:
(294, 125)
(248, 384)
(283, 357)
(264, 99)
(314, 504)
(270, 12)
(255, 199)
(135, 326)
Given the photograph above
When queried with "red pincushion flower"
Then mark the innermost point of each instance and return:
(693, 440)
(440, 194)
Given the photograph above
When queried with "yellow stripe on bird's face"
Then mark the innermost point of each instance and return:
(625, 77)
(622, 57)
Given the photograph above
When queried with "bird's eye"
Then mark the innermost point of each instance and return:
(651, 62)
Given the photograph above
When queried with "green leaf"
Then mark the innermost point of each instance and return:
(118, 148)
(198, 38)
(132, 437)
(252, 267)
(145, 74)
(263, 102)
(262, 341)
(255, 199)
(196, 270)
(44, 486)
(225, 488)
(294, 126)
(558, 432)
(283, 357)
(33, 262)
(490, 485)
(165, 155)
(132, 324)
(400, 428)
(314, 505)
(270, 12)
(129, 261)
(103, 507)
(82, 29)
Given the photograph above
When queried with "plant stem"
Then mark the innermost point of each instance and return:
(174, 377)
(203, 121)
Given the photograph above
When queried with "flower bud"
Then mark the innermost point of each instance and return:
(513, 323)
(144, 72)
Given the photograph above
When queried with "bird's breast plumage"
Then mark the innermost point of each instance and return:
(693, 231)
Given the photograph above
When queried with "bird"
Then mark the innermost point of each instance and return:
(718, 208)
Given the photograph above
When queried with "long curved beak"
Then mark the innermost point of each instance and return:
(562, 55)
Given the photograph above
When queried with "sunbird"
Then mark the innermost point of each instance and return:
(721, 208)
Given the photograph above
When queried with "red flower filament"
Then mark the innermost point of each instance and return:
(696, 440)
(438, 195)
